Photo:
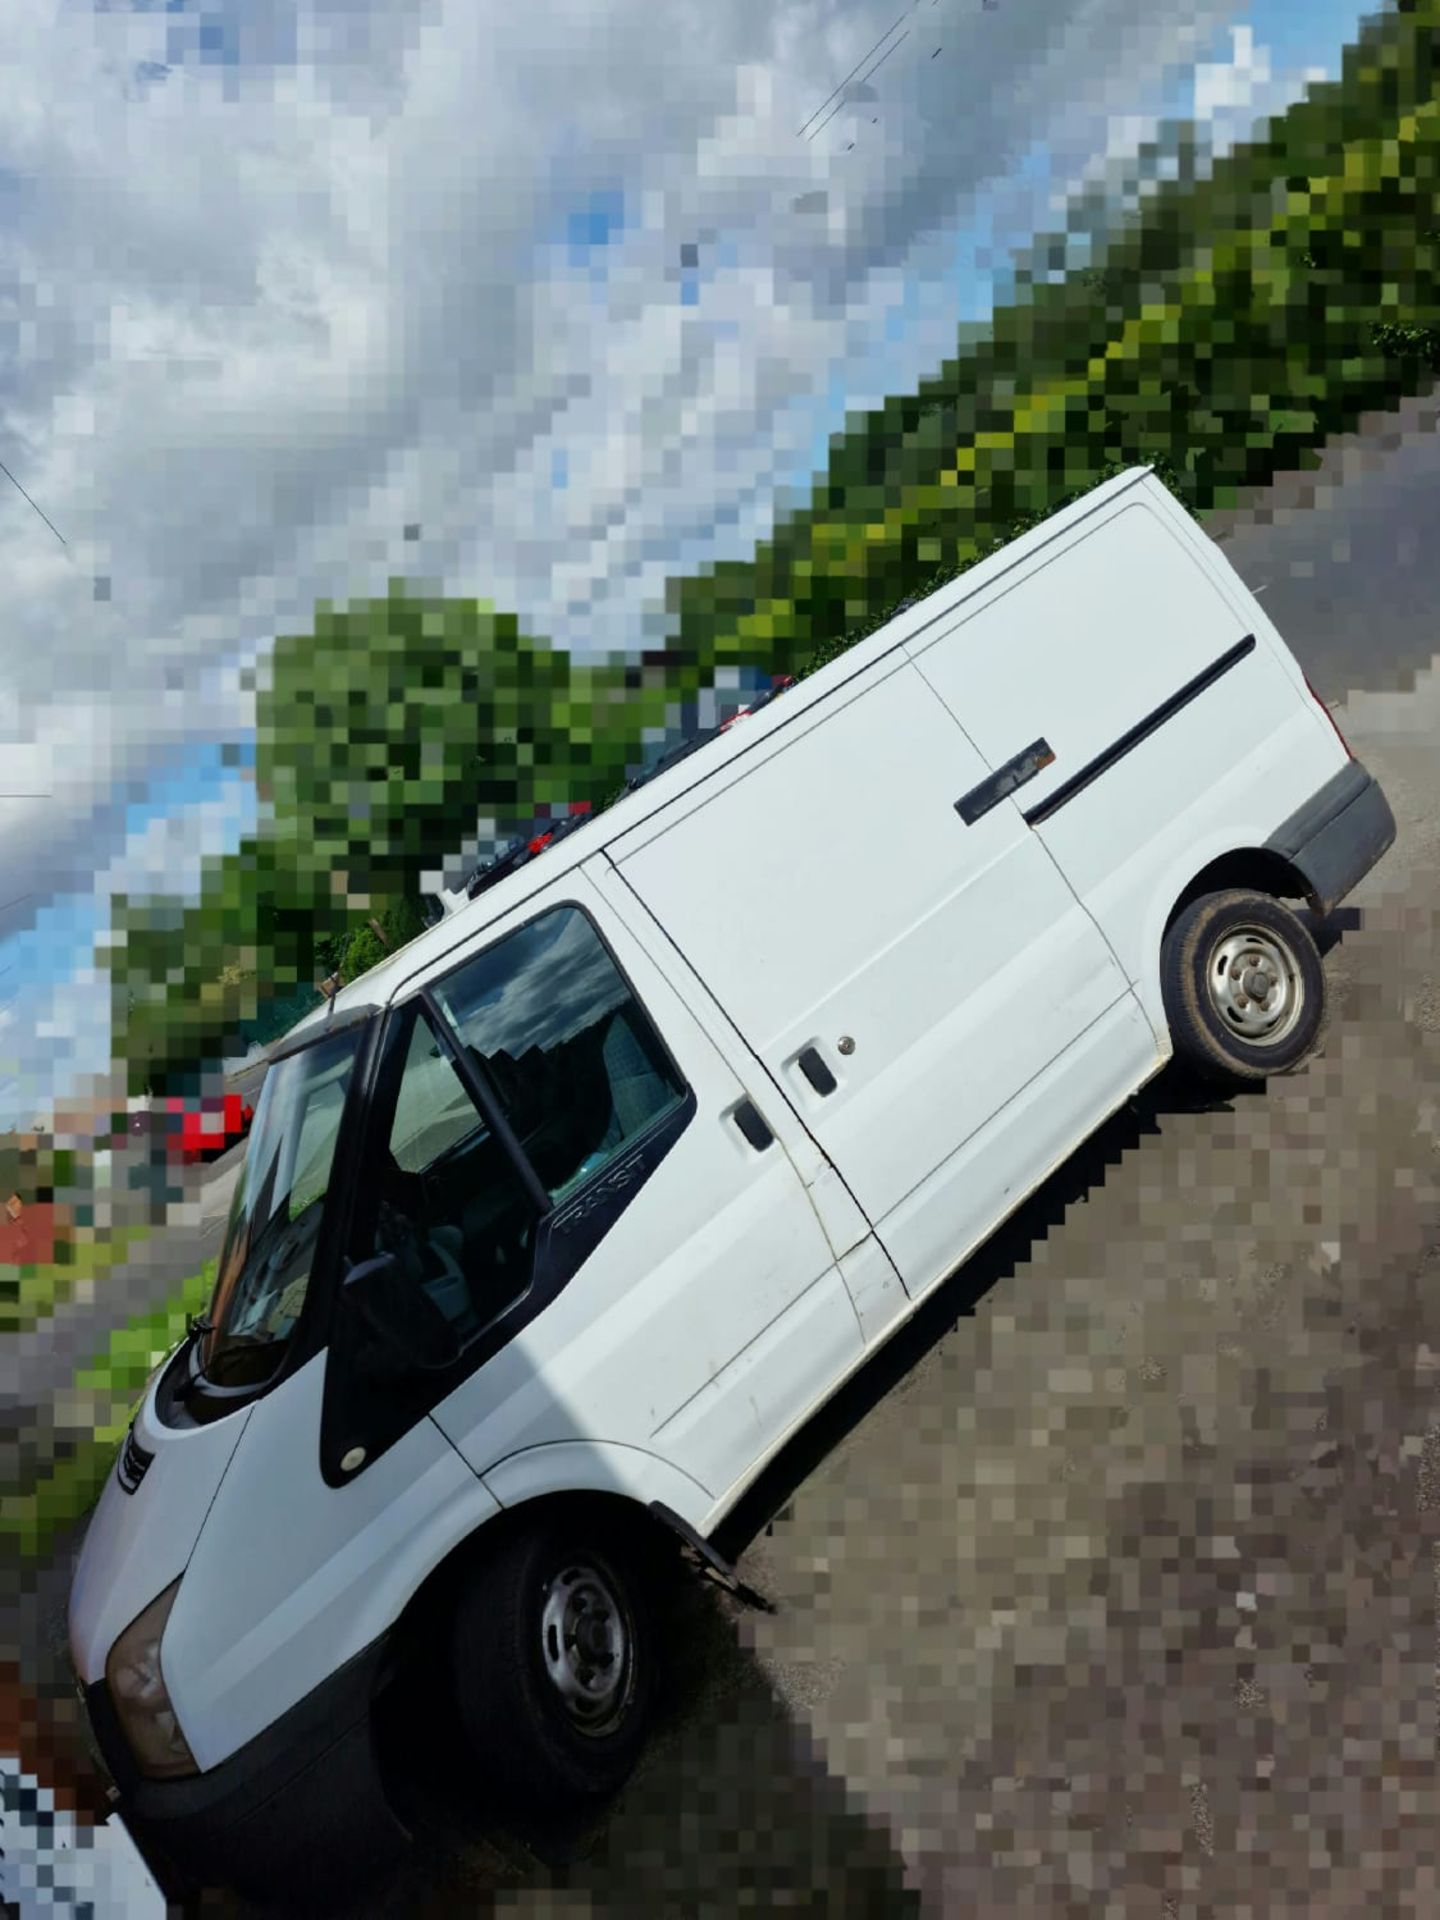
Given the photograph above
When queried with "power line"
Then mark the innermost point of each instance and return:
(839, 104)
(43, 515)
(854, 70)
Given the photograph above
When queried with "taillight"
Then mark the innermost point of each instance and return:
(1330, 717)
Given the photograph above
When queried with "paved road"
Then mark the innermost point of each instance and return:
(1345, 557)
(37, 1364)
(1111, 1587)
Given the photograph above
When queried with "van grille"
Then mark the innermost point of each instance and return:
(134, 1462)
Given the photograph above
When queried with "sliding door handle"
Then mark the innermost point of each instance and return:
(1002, 783)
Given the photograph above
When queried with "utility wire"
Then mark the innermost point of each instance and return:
(854, 70)
(839, 104)
(43, 515)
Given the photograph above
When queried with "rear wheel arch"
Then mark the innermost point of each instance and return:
(1246, 870)
(1243, 986)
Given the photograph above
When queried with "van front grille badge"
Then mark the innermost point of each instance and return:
(134, 1462)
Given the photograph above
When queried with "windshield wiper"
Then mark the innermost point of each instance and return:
(234, 1349)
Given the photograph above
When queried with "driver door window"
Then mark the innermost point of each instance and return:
(571, 1062)
(450, 1205)
(571, 1056)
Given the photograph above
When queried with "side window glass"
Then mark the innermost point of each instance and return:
(451, 1207)
(570, 1054)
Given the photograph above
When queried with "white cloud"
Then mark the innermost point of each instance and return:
(1223, 86)
(259, 317)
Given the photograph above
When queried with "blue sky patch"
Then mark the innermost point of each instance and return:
(594, 225)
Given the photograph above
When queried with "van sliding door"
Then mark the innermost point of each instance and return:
(907, 978)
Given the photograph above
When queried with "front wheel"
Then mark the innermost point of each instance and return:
(554, 1662)
(1243, 987)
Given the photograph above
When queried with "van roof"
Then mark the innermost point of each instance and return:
(378, 987)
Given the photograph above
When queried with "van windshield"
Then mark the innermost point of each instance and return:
(265, 1263)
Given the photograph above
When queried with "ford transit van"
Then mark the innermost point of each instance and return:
(554, 1226)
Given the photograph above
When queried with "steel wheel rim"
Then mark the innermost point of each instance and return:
(1255, 985)
(587, 1645)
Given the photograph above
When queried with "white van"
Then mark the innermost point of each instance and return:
(554, 1227)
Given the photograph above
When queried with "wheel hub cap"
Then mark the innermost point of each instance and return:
(1255, 985)
(586, 1645)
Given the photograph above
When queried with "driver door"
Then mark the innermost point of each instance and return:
(557, 1161)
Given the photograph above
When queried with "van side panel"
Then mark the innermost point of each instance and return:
(787, 1370)
(900, 973)
(1106, 625)
(1089, 645)
(1045, 1122)
(686, 1279)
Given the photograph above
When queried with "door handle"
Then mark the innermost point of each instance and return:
(816, 1071)
(751, 1122)
(1002, 783)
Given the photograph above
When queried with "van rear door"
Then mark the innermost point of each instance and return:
(926, 991)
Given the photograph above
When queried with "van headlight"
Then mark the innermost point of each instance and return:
(142, 1702)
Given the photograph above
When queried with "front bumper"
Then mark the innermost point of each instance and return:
(1338, 835)
(298, 1812)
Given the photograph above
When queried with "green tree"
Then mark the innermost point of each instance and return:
(384, 733)
(400, 923)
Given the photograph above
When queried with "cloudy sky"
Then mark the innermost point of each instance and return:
(539, 303)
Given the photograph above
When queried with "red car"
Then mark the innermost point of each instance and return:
(206, 1127)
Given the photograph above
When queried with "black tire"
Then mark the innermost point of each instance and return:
(534, 1752)
(1221, 1032)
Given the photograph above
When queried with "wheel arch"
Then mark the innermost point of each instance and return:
(621, 1483)
(1247, 865)
(1201, 1036)
(1256, 869)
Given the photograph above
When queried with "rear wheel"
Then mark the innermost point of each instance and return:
(554, 1662)
(1243, 986)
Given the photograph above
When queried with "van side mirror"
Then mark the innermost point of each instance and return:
(400, 1314)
